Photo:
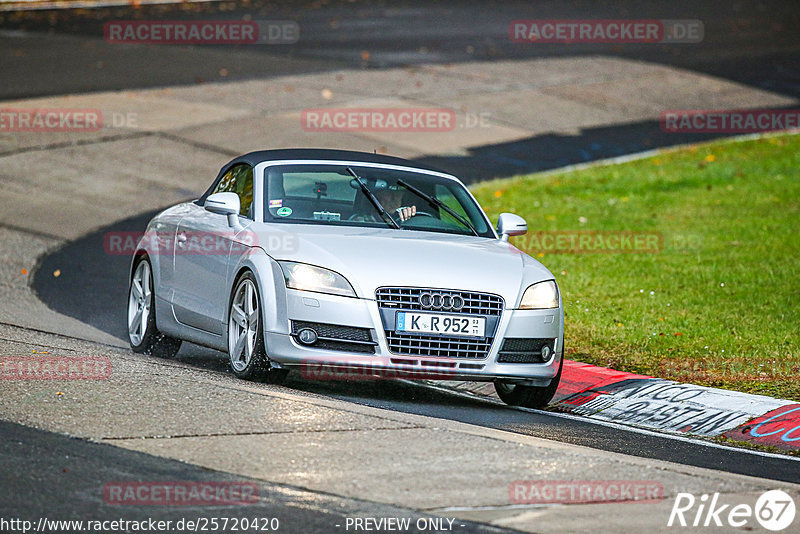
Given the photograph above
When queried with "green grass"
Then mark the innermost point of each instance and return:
(718, 303)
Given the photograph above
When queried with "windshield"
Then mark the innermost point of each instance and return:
(331, 194)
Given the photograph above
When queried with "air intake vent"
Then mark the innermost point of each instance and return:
(526, 350)
(338, 338)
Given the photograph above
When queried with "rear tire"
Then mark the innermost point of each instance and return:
(246, 351)
(143, 334)
(528, 396)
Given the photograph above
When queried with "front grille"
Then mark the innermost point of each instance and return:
(407, 298)
(524, 350)
(392, 299)
(338, 337)
(438, 346)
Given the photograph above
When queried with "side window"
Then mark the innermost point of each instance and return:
(239, 180)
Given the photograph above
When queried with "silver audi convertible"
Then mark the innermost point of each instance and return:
(325, 259)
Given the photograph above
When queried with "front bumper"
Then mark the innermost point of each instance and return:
(285, 349)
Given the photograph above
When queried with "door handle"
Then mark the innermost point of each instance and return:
(181, 239)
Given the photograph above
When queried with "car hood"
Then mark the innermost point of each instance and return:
(373, 257)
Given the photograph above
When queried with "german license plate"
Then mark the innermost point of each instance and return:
(434, 323)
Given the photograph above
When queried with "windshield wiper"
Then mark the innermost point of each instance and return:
(374, 201)
(433, 201)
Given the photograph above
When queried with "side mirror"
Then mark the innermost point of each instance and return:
(509, 224)
(225, 204)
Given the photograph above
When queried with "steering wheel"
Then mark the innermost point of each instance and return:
(410, 219)
(356, 216)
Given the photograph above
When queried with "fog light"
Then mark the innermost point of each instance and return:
(307, 336)
(545, 353)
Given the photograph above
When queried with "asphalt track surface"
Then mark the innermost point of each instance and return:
(70, 475)
(93, 285)
(416, 399)
(750, 42)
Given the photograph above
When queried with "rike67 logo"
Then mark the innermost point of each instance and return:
(774, 510)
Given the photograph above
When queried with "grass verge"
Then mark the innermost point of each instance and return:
(708, 288)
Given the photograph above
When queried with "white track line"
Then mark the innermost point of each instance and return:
(617, 426)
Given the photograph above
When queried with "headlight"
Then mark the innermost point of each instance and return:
(311, 278)
(540, 296)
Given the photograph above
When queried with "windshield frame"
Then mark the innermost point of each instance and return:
(260, 186)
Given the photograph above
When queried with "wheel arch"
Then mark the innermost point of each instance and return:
(154, 255)
(137, 256)
(271, 288)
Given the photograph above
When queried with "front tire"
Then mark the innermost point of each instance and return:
(246, 351)
(143, 335)
(528, 396)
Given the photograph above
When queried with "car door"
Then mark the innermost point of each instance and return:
(160, 240)
(205, 255)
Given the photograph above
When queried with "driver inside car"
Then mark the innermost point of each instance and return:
(391, 198)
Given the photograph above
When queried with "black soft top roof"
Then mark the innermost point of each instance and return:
(260, 156)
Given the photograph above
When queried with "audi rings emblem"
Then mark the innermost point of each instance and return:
(441, 301)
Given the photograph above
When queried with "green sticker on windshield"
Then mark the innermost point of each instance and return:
(284, 212)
